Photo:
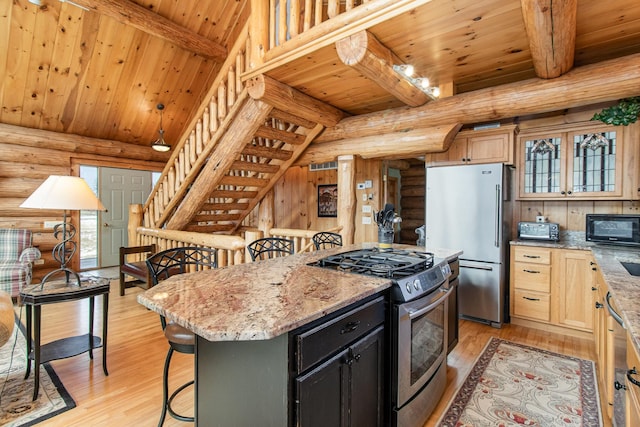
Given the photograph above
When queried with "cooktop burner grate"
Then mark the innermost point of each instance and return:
(388, 263)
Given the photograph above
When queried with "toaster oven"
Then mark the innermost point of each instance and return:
(546, 231)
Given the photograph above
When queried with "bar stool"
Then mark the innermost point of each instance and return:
(161, 266)
(270, 247)
(326, 240)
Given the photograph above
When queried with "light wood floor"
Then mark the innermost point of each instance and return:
(131, 394)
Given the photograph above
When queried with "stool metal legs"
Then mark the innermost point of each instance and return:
(166, 399)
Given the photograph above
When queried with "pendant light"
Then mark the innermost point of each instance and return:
(160, 144)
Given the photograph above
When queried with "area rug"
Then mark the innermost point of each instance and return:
(516, 385)
(16, 406)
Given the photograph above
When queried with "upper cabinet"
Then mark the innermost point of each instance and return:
(494, 145)
(562, 164)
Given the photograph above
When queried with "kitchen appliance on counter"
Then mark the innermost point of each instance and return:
(465, 208)
(613, 229)
(542, 231)
(419, 308)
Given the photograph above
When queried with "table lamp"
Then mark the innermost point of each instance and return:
(66, 193)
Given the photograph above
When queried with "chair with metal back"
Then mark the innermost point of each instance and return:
(326, 240)
(161, 266)
(270, 247)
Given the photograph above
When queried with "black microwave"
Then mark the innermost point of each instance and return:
(613, 229)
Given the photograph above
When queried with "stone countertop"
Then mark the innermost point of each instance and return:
(263, 299)
(624, 288)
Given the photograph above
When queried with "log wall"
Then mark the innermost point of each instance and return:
(25, 164)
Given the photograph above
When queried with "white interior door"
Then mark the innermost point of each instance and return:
(118, 189)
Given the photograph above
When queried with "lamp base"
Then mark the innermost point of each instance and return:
(67, 271)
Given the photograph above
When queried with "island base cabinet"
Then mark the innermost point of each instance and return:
(242, 383)
(347, 389)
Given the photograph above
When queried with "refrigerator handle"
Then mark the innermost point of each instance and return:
(498, 199)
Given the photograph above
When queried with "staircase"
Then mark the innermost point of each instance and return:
(232, 155)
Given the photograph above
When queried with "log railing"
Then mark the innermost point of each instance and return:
(231, 249)
(192, 150)
(288, 18)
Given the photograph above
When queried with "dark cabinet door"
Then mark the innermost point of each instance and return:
(347, 389)
(320, 396)
(367, 380)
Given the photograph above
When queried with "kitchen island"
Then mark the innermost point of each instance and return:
(244, 316)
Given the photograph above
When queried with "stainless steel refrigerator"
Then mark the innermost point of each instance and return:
(465, 209)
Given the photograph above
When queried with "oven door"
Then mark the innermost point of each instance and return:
(421, 343)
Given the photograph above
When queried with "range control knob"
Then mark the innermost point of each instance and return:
(408, 286)
(416, 284)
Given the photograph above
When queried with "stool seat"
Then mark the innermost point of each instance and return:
(176, 334)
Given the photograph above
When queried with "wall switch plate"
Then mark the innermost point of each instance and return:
(50, 224)
(368, 184)
(366, 220)
(540, 218)
(366, 209)
(364, 197)
(360, 186)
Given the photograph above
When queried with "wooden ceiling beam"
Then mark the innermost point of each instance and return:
(395, 145)
(551, 28)
(364, 53)
(582, 86)
(292, 101)
(129, 13)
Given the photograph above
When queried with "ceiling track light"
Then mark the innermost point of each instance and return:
(160, 144)
(422, 83)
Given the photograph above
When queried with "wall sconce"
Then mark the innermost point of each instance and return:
(422, 83)
(160, 144)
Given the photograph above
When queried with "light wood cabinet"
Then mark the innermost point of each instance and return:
(480, 146)
(602, 341)
(552, 286)
(573, 279)
(531, 283)
(632, 396)
(575, 162)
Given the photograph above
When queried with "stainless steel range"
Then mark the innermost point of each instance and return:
(419, 307)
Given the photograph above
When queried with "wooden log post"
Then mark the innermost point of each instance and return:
(136, 212)
(551, 29)
(292, 101)
(347, 198)
(259, 37)
(372, 59)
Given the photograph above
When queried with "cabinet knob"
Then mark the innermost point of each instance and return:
(569, 192)
(599, 305)
(563, 192)
(593, 288)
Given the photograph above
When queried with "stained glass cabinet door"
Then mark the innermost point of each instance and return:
(577, 164)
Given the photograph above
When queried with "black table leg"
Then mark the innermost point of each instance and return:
(28, 313)
(91, 308)
(105, 308)
(36, 351)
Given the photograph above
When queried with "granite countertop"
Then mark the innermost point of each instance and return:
(261, 300)
(624, 288)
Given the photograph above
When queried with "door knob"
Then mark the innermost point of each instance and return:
(106, 224)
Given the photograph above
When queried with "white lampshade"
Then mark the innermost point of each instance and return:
(64, 192)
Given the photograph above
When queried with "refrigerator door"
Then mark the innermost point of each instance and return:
(464, 210)
(481, 291)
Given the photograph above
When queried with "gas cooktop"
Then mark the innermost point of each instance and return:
(413, 273)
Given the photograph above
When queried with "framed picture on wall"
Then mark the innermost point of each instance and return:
(328, 200)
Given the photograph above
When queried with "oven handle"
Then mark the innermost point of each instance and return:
(423, 310)
(613, 313)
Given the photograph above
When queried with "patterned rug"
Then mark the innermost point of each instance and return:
(515, 385)
(16, 406)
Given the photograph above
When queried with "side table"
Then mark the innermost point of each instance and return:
(33, 297)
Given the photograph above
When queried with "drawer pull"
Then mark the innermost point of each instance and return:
(350, 327)
(531, 271)
(531, 256)
(633, 381)
(531, 299)
(599, 304)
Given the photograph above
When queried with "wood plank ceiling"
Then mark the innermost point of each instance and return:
(83, 72)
